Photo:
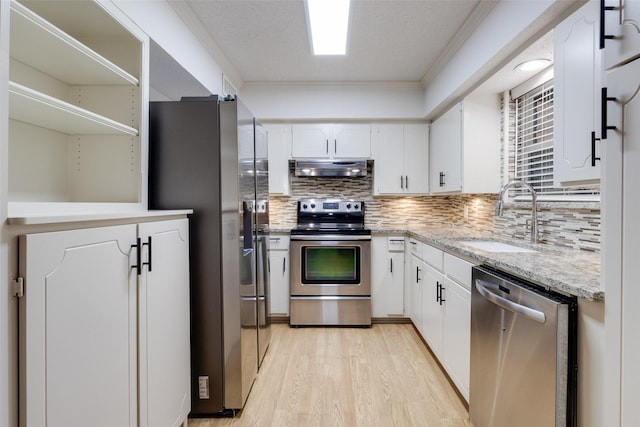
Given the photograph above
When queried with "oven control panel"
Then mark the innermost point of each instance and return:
(330, 205)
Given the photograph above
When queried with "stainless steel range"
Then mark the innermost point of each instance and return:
(330, 264)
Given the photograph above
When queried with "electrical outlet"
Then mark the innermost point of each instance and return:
(203, 387)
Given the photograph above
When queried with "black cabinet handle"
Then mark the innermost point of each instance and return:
(439, 289)
(441, 179)
(327, 147)
(603, 34)
(417, 274)
(593, 149)
(147, 244)
(138, 265)
(401, 183)
(335, 146)
(406, 182)
(391, 265)
(603, 106)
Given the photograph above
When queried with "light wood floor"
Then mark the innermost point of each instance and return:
(382, 376)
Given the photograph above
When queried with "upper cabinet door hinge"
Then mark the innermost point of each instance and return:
(18, 287)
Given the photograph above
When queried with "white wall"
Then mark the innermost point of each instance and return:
(326, 101)
(162, 24)
(510, 25)
(8, 307)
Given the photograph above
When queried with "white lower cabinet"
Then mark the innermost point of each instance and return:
(439, 302)
(456, 343)
(387, 276)
(414, 290)
(164, 326)
(432, 309)
(279, 274)
(98, 341)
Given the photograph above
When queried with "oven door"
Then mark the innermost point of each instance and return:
(330, 265)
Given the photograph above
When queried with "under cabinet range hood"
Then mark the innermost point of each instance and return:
(344, 167)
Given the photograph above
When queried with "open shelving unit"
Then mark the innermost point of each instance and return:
(77, 109)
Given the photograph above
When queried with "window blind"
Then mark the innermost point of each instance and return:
(533, 160)
(534, 137)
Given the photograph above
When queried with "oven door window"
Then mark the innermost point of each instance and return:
(335, 265)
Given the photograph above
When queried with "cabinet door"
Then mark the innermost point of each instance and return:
(622, 23)
(165, 376)
(311, 141)
(414, 288)
(387, 279)
(456, 340)
(576, 89)
(388, 169)
(351, 141)
(432, 309)
(416, 159)
(446, 140)
(279, 148)
(279, 279)
(78, 328)
(623, 244)
(395, 284)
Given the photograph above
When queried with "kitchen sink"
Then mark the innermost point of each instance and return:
(494, 246)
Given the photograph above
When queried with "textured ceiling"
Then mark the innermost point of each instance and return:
(390, 40)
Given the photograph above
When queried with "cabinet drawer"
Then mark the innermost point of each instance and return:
(278, 242)
(458, 269)
(415, 248)
(432, 256)
(395, 244)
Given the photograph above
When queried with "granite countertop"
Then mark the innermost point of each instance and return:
(570, 271)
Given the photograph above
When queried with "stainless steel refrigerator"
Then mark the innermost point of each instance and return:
(210, 154)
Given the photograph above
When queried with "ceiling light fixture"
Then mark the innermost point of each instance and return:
(533, 65)
(328, 23)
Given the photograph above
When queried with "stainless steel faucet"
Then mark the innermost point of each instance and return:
(534, 207)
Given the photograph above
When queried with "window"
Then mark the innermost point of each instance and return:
(534, 138)
(532, 155)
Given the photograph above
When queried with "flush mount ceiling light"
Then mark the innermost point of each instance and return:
(328, 23)
(533, 65)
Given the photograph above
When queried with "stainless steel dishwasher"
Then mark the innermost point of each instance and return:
(523, 353)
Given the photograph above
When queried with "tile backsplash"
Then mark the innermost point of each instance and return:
(563, 224)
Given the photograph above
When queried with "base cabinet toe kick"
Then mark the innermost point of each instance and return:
(330, 311)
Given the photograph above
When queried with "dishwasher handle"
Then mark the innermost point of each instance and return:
(483, 288)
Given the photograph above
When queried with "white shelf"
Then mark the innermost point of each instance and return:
(38, 213)
(30, 106)
(43, 46)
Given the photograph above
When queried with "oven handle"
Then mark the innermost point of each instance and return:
(322, 237)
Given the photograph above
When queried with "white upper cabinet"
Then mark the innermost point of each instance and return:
(77, 108)
(465, 147)
(445, 159)
(621, 31)
(279, 148)
(327, 141)
(577, 82)
(401, 159)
